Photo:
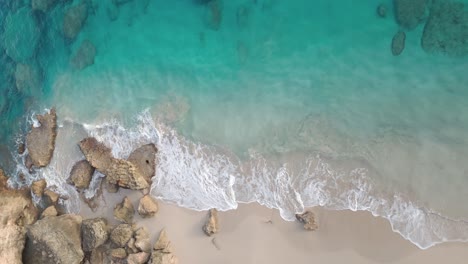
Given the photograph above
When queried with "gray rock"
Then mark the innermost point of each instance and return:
(84, 56)
(308, 219)
(398, 43)
(81, 174)
(54, 240)
(74, 19)
(94, 233)
(121, 235)
(124, 211)
(409, 13)
(41, 140)
(148, 206)
(43, 5)
(211, 226)
(162, 250)
(144, 159)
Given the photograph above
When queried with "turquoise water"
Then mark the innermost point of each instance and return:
(289, 104)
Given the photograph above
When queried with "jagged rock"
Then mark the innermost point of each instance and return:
(111, 187)
(121, 235)
(50, 197)
(398, 43)
(144, 159)
(84, 56)
(142, 240)
(124, 211)
(41, 140)
(446, 31)
(162, 250)
(74, 20)
(96, 153)
(148, 207)
(42, 5)
(308, 219)
(38, 187)
(21, 35)
(214, 14)
(49, 211)
(138, 258)
(409, 13)
(94, 233)
(211, 227)
(54, 240)
(382, 11)
(81, 174)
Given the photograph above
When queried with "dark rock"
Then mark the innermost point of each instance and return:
(81, 174)
(118, 254)
(148, 207)
(94, 233)
(111, 187)
(112, 11)
(28, 163)
(409, 13)
(121, 2)
(162, 250)
(84, 56)
(49, 211)
(124, 211)
(308, 219)
(398, 43)
(54, 240)
(121, 235)
(382, 11)
(74, 20)
(38, 187)
(211, 227)
(144, 159)
(42, 5)
(41, 140)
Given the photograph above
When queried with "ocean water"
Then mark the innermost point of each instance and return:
(291, 104)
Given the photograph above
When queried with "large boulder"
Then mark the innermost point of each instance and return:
(309, 220)
(147, 207)
(41, 140)
(211, 226)
(81, 174)
(162, 250)
(144, 158)
(42, 5)
(21, 35)
(84, 56)
(409, 13)
(96, 153)
(124, 211)
(398, 43)
(446, 31)
(54, 240)
(74, 20)
(94, 233)
(28, 79)
(121, 235)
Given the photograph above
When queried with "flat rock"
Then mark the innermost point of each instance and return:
(84, 56)
(49, 211)
(162, 250)
(81, 174)
(144, 159)
(94, 233)
(410, 13)
(74, 20)
(41, 140)
(148, 206)
(138, 258)
(54, 240)
(111, 187)
(121, 235)
(37, 187)
(308, 219)
(398, 43)
(3, 181)
(211, 226)
(124, 211)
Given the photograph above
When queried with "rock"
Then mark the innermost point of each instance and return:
(398, 43)
(12, 244)
(446, 31)
(211, 227)
(148, 207)
(42, 5)
(144, 159)
(74, 20)
(21, 35)
(308, 219)
(131, 246)
(111, 187)
(94, 233)
(21, 148)
(41, 140)
(162, 250)
(214, 14)
(50, 197)
(121, 235)
(28, 79)
(37, 187)
(409, 13)
(382, 10)
(118, 254)
(81, 174)
(3, 181)
(138, 258)
(84, 56)
(124, 211)
(49, 211)
(96, 153)
(142, 240)
(54, 240)
(99, 256)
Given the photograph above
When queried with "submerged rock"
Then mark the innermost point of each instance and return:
(94, 233)
(148, 207)
(81, 174)
(211, 227)
(49, 211)
(142, 240)
(84, 56)
(74, 20)
(214, 14)
(409, 13)
(162, 250)
(41, 140)
(43, 5)
(121, 235)
(54, 240)
(124, 211)
(382, 11)
(37, 187)
(398, 43)
(144, 159)
(28, 79)
(308, 219)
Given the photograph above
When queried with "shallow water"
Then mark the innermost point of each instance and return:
(290, 105)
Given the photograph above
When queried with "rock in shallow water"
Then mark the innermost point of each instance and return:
(42, 5)
(81, 174)
(124, 211)
(74, 20)
(41, 140)
(84, 56)
(398, 43)
(28, 79)
(38, 187)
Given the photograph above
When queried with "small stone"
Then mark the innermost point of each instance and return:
(211, 227)
(398, 43)
(121, 235)
(49, 211)
(94, 233)
(308, 219)
(81, 174)
(99, 256)
(131, 246)
(124, 211)
(21, 148)
(38, 187)
(148, 207)
(142, 240)
(118, 254)
(138, 258)
(28, 162)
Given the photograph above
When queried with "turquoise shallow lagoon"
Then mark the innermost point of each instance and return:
(291, 104)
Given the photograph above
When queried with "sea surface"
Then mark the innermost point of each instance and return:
(291, 104)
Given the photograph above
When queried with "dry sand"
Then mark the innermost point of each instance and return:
(247, 236)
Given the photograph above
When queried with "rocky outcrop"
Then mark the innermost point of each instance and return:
(144, 159)
(211, 226)
(54, 240)
(117, 171)
(49, 211)
(43, 5)
(121, 235)
(308, 219)
(398, 43)
(37, 187)
(74, 20)
(94, 233)
(409, 13)
(446, 31)
(162, 250)
(81, 174)
(148, 207)
(41, 140)
(138, 258)
(124, 211)
(142, 240)
(84, 56)
(99, 256)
